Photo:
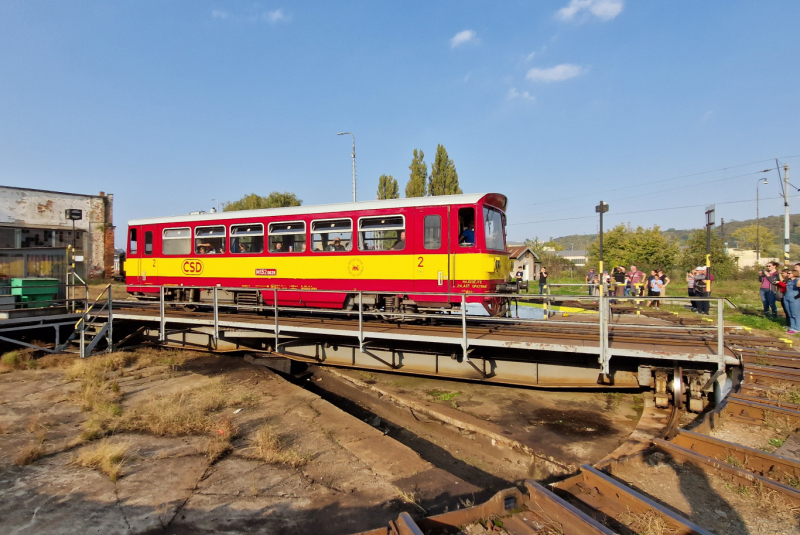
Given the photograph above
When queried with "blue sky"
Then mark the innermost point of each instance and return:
(557, 104)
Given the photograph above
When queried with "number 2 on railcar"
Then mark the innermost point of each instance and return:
(403, 255)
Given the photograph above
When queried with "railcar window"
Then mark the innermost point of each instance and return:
(332, 235)
(247, 239)
(209, 240)
(287, 237)
(466, 227)
(177, 241)
(385, 233)
(134, 242)
(495, 229)
(148, 242)
(433, 232)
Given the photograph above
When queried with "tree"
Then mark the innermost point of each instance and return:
(645, 248)
(722, 265)
(256, 202)
(554, 245)
(387, 188)
(536, 246)
(749, 235)
(444, 178)
(418, 179)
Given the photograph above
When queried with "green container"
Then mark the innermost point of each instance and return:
(35, 292)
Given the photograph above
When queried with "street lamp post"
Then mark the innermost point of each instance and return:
(354, 161)
(758, 222)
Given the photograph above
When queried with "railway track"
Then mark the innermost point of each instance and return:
(596, 500)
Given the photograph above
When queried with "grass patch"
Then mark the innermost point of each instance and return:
(367, 376)
(637, 405)
(274, 448)
(786, 392)
(442, 395)
(776, 442)
(756, 321)
(107, 457)
(29, 454)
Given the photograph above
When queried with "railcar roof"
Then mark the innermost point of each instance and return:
(317, 209)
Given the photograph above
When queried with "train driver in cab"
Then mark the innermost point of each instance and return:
(467, 237)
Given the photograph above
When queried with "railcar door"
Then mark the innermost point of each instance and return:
(133, 257)
(432, 251)
(149, 269)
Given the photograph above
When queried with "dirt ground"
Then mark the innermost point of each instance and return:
(568, 427)
(178, 442)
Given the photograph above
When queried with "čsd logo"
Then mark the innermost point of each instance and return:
(192, 267)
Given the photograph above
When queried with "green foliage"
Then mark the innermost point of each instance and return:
(256, 202)
(418, 179)
(722, 265)
(442, 395)
(554, 245)
(444, 178)
(747, 238)
(646, 248)
(387, 188)
(536, 246)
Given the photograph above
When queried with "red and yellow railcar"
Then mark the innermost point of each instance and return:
(449, 245)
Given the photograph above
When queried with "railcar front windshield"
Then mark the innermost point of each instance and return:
(494, 223)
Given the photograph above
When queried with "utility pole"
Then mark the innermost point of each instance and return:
(785, 193)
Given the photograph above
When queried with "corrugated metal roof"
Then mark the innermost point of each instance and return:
(318, 209)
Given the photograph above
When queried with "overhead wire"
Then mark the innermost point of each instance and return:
(612, 214)
(572, 197)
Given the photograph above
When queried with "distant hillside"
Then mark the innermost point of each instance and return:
(773, 223)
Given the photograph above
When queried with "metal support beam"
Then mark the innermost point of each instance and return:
(464, 341)
(216, 316)
(24, 344)
(721, 333)
(275, 311)
(110, 333)
(162, 319)
(361, 322)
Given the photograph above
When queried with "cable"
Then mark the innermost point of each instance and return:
(550, 201)
(639, 211)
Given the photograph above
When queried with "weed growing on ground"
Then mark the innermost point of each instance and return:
(273, 448)
(638, 407)
(220, 444)
(105, 456)
(442, 395)
(29, 454)
(776, 442)
(786, 392)
(647, 523)
(410, 497)
(733, 461)
(367, 376)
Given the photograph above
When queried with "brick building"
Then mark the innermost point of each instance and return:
(32, 218)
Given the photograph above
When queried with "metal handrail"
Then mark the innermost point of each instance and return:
(604, 311)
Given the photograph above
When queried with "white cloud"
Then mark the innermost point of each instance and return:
(513, 94)
(707, 115)
(463, 37)
(602, 9)
(217, 14)
(530, 56)
(559, 73)
(275, 16)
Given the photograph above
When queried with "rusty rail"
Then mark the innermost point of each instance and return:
(740, 476)
(531, 512)
(755, 374)
(775, 467)
(616, 501)
(758, 412)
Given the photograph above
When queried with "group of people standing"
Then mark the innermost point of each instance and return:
(781, 286)
(631, 283)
